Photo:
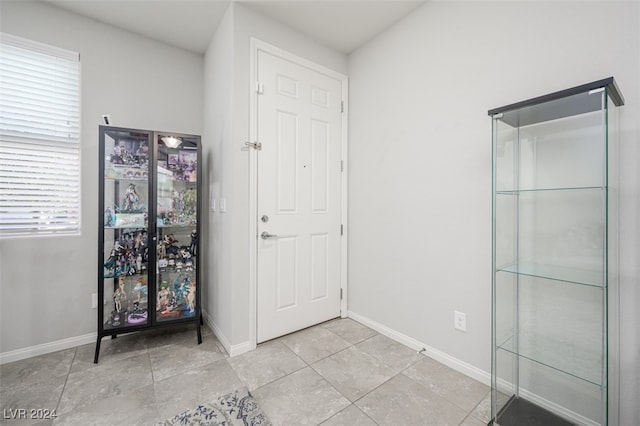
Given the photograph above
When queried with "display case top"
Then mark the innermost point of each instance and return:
(564, 103)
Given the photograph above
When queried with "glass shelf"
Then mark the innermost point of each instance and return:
(176, 226)
(527, 190)
(564, 357)
(555, 272)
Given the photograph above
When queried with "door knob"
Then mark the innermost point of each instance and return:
(266, 235)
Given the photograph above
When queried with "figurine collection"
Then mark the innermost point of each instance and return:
(128, 260)
(183, 164)
(129, 160)
(128, 263)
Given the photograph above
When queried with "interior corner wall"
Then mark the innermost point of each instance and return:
(420, 159)
(218, 124)
(231, 252)
(46, 283)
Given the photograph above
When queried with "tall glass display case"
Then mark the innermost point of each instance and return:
(149, 204)
(554, 284)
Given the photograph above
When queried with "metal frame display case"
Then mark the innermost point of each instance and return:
(149, 227)
(554, 250)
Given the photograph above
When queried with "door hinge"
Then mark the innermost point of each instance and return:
(341, 106)
(340, 294)
(342, 165)
(341, 229)
(254, 145)
(259, 88)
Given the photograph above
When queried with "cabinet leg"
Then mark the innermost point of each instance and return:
(198, 331)
(95, 357)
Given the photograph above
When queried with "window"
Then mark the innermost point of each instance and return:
(39, 139)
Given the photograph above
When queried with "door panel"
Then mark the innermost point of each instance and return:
(286, 279)
(299, 192)
(287, 161)
(319, 166)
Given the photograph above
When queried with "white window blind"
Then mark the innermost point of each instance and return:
(39, 139)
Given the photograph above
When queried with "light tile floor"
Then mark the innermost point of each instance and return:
(336, 373)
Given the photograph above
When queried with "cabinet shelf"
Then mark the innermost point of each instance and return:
(555, 272)
(565, 357)
(134, 174)
(177, 226)
(542, 190)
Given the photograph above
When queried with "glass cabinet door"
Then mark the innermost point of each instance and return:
(176, 227)
(124, 224)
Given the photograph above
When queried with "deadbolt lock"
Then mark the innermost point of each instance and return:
(264, 218)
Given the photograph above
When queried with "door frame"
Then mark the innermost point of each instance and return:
(257, 46)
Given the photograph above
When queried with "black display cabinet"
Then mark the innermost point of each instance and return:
(148, 231)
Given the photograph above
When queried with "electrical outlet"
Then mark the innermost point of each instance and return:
(460, 321)
(94, 300)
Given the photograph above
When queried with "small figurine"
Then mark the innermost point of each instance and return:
(184, 253)
(138, 315)
(108, 217)
(115, 318)
(180, 286)
(194, 243)
(164, 297)
(162, 250)
(131, 199)
(141, 289)
(191, 298)
(162, 264)
(119, 152)
(116, 252)
(117, 299)
(169, 245)
(143, 151)
(187, 173)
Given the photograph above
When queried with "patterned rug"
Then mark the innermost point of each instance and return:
(233, 409)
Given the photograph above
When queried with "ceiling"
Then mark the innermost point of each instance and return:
(343, 25)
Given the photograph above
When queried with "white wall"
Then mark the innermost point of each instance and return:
(420, 159)
(218, 123)
(46, 283)
(228, 303)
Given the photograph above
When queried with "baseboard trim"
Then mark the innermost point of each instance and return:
(446, 359)
(46, 348)
(232, 350)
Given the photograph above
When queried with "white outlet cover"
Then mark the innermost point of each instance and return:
(460, 321)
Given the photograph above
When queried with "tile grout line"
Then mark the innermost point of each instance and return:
(351, 403)
(444, 367)
(66, 379)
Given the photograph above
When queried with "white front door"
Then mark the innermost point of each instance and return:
(299, 124)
